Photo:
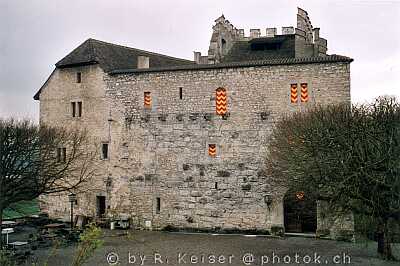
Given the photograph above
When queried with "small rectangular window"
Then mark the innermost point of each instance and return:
(293, 93)
(79, 109)
(64, 155)
(212, 150)
(59, 151)
(216, 185)
(180, 93)
(78, 77)
(61, 155)
(147, 99)
(73, 109)
(158, 207)
(304, 92)
(104, 150)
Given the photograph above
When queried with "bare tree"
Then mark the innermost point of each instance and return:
(349, 155)
(37, 160)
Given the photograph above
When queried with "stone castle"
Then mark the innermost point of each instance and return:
(182, 143)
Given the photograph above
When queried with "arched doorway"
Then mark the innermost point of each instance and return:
(300, 212)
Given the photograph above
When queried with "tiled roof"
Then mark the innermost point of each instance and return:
(111, 57)
(251, 63)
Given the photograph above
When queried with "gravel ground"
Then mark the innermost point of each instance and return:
(154, 248)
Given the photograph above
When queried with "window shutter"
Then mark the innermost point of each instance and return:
(147, 99)
(212, 150)
(304, 92)
(293, 93)
(221, 101)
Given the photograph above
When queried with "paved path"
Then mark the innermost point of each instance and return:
(161, 248)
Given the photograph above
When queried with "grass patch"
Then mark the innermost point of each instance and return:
(21, 209)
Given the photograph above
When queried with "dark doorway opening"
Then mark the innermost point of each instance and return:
(300, 212)
(101, 206)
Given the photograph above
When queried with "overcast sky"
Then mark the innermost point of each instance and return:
(35, 34)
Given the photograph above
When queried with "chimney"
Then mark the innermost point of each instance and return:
(197, 56)
(241, 33)
(143, 61)
(255, 33)
(316, 34)
(287, 30)
(270, 32)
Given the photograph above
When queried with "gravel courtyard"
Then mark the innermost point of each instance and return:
(155, 248)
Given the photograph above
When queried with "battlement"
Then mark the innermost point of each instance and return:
(225, 35)
(303, 24)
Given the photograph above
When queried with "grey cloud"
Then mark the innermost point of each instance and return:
(36, 34)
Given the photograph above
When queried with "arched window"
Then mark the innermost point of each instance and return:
(221, 101)
(223, 44)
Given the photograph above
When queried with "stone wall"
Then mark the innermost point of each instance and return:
(162, 152)
(55, 109)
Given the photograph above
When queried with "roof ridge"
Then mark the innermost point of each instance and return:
(249, 63)
(139, 50)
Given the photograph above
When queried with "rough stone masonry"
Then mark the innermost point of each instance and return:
(154, 119)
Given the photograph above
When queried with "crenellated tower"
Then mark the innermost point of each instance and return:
(223, 37)
(308, 41)
(229, 44)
